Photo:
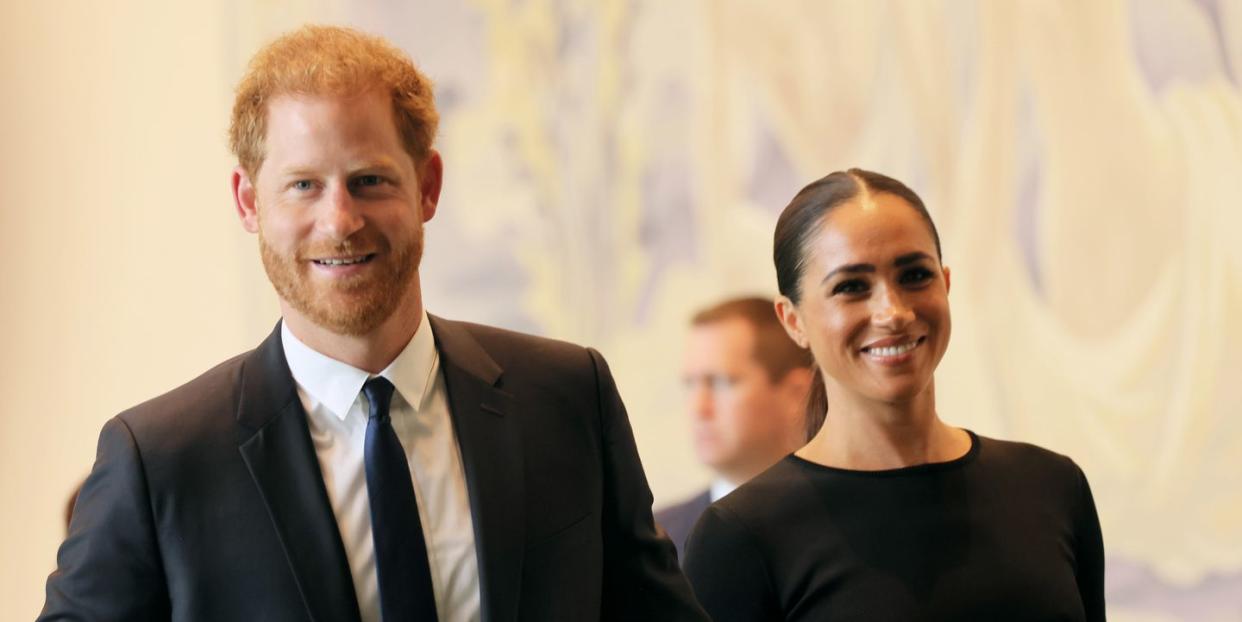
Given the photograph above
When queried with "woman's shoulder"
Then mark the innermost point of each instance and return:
(735, 557)
(758, 527)
(770, 489)
(1032, 465)
(998, 452)
(765, 508)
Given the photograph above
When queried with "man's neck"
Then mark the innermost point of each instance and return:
(371, 352)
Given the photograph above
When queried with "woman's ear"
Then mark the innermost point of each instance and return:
(791, 320)
(945, 271)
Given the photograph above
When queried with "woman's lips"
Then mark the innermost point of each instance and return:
(893, 351)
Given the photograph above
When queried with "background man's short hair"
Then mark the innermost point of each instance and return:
(774, 350)
(331, 60)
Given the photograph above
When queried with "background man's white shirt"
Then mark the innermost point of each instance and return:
(719, 488)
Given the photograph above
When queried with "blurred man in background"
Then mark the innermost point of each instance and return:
(746, 385)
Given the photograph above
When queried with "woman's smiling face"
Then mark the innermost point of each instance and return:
(874, 305)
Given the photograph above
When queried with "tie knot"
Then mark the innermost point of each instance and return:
(379, 394)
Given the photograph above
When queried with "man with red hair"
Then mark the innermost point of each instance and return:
(368, 460)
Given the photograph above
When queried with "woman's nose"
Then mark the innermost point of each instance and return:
(891, 309)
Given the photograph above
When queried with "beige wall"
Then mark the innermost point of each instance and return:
(125, 273)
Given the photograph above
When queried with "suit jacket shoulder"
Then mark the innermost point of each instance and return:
(187, 415)
(206, 503)
(519, 355)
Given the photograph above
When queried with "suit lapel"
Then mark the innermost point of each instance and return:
(490, 438)
(276, 446)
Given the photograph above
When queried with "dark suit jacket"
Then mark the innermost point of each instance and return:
(207, 503)
(678, 520)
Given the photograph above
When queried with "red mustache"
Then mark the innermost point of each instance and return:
(351, 246)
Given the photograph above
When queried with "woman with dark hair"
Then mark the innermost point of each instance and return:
(889, 513)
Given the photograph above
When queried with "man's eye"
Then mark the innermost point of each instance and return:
(368, 180)
(852, 286)
(303, 185)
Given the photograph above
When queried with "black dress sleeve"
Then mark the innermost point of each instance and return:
(1089, 556)
(729, 574)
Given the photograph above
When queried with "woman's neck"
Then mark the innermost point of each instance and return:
(864, 435)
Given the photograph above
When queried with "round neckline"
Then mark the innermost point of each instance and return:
(914, 469)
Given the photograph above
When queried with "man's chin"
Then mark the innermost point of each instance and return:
(344, 306)
(354, 322)
(349, 315)
(352, 313)
(712, 458)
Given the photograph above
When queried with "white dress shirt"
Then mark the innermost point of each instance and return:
(336, 410)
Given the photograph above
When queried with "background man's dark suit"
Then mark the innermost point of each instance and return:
(207, 503)
(678, 520)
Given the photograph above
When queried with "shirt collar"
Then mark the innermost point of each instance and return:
(336, 385)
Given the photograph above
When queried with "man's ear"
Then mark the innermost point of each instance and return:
(430, 180)
(787, 313)
(244, 199)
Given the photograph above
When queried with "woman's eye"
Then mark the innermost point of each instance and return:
(852, 286)
(916, 276)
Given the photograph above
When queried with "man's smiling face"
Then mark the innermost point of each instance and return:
(340, 207)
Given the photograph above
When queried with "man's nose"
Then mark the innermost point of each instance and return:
(701, 400)
(341, 215)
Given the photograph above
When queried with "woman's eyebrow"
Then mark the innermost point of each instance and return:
(910, 258)
(853, 268)
(850, 268)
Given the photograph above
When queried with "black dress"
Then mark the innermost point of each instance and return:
(1007, 532)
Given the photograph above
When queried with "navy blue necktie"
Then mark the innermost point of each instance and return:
(400, 551)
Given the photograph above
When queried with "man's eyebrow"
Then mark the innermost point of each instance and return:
(362, 168)
(381, 165)
(851, 268)
(297, 172)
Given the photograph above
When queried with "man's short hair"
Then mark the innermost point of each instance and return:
(774, 350)
(331, 60)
